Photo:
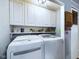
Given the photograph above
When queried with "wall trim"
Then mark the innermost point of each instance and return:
(75, 2)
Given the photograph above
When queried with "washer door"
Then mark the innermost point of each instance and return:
(53, 49)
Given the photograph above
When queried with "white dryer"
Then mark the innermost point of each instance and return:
(26, 47)
(53, 46)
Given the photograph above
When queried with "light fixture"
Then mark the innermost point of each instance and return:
(42, 1)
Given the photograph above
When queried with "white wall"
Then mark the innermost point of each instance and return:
(74, 42)
(4, 26)
(67, 4)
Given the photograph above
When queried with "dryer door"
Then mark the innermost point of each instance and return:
(31, 50)
(27, 54)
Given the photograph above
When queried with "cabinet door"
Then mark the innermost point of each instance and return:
(38, 16)
(26, 19)
(17, 13)
(53, 18)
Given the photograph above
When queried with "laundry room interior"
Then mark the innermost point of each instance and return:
(39, 29)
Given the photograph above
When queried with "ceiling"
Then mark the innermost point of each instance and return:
(77, 1)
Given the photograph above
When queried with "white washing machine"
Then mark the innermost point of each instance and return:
(53, 46)
(26, 47)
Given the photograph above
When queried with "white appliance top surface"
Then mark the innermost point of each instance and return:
(25, 40)
(27, 37)
(49, 37)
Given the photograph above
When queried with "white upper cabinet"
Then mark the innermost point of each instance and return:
(38, 16)
(27, 13)
(16, 12)
(53, 18)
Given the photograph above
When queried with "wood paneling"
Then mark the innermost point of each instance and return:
(68, 19)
